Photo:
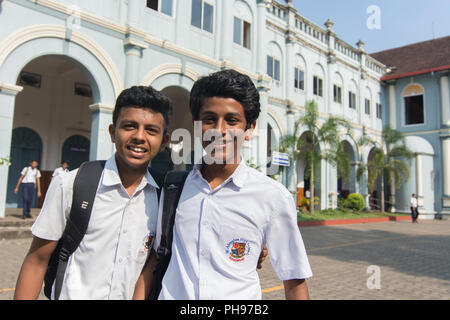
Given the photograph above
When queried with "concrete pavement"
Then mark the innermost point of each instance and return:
(388, 260)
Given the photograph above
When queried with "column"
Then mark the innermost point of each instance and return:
(291, 170)
(262, 130)
(392, 106)
(445, 100)
(133, 52)
(101, 146)
(260, 34)
(419, 188)
(446, 172)
(225, 31)
(8, 94)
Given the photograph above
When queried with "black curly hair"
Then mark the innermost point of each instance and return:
(226, 84)
(146, 98)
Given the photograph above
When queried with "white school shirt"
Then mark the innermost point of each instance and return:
(59, 171)
(413, 202)
(218, 237)
(30, 175)
(112, 254)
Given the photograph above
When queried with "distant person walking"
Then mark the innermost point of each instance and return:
(63, 169)
(414, 206)
(29, 178)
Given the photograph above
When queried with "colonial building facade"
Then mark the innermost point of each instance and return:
(63, 63)
(417, 103)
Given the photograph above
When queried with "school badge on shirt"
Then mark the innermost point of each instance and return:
(237, 249)
(148, 242)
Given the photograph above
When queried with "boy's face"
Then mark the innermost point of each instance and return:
(224, 129)
(65, 165)
(138, 136)
(34, 164)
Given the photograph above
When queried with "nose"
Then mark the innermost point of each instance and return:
(221, 126)
(139, 134)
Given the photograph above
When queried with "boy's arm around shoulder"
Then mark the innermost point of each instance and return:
(31, 276)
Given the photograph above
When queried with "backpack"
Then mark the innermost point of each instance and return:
(173, 186)
(84, 191)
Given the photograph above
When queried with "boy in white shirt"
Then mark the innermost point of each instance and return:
(30, 179)
(228, 211)
(110, 258)
(63, 169)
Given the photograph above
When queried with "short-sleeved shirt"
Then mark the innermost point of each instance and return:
(59, 171)
(219, 234)
(119, 237)
(30, 174)
(413, 202)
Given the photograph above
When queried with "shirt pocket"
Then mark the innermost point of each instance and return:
(240, 247)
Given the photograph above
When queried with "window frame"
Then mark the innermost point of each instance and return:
(159, 9)
(242, 34)
(202, 16)
(405, 110)
(351, 100)
(299, 82)
(338, 96)
(274, 61)
(318, 86)
(367, 106)
(379, 110)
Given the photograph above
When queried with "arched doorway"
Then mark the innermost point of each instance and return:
(375, 195)
(54, 102)
(26, 145)
(346, 185)
(304, 168)
(75, 151)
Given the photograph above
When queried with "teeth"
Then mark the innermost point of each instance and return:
(135, 149)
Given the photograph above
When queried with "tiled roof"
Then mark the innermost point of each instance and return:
(417, 58)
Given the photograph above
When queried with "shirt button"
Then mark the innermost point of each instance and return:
(125, 231)
(203, 252)
(120, 259)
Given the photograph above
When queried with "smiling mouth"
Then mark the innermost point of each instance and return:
(137, 150)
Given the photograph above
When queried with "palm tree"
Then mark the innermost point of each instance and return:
(388, 161)
(307, 147)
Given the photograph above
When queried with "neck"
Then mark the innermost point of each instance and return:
(215, 174)
(129, 176)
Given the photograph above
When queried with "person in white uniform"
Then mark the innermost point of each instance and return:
(228, 211)
(63, 169)
(111, 255)
(29, 180)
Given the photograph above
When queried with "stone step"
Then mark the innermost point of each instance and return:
(15, 233)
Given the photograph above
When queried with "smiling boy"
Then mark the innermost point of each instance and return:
(110, 258)
(228, 211)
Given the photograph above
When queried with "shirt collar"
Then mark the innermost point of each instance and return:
(111, 175)
(238, 176)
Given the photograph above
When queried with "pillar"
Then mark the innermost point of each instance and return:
(262, 130)
(419, 185)
(8, 94)
(445, 100)
(101, 146)
(392, 106)
(446, 173)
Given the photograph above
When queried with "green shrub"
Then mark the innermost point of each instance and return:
(354, 201)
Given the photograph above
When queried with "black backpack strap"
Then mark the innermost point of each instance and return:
(84, 191)
(173, 186)
(159, 179)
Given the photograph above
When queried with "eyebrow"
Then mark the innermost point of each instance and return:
(235, 114)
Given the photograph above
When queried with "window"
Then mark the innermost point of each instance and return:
(273, 68)
(299, 80)
(367, 105)
(202, 15)
(337, 94)
(378, 110)
(164, 6)
(351, 100)
(241, 34)
(414, 110)
(317, 86)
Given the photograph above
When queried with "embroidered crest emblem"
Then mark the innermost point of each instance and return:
(148, 242)
(237, 249)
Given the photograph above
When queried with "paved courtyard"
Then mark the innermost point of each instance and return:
(388, 260)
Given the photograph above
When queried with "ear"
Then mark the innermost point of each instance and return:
(249, 131)
(112, 133)
(164, 142)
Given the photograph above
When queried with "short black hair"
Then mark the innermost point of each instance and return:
(226, 84)
(144, 97)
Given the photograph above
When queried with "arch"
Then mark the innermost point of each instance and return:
(85, 52)
(275, 50)
(170, 68)
(242, 10)
(419, 145)
(75, 150)
(319, 70)
(413, 89)
(26, 145)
